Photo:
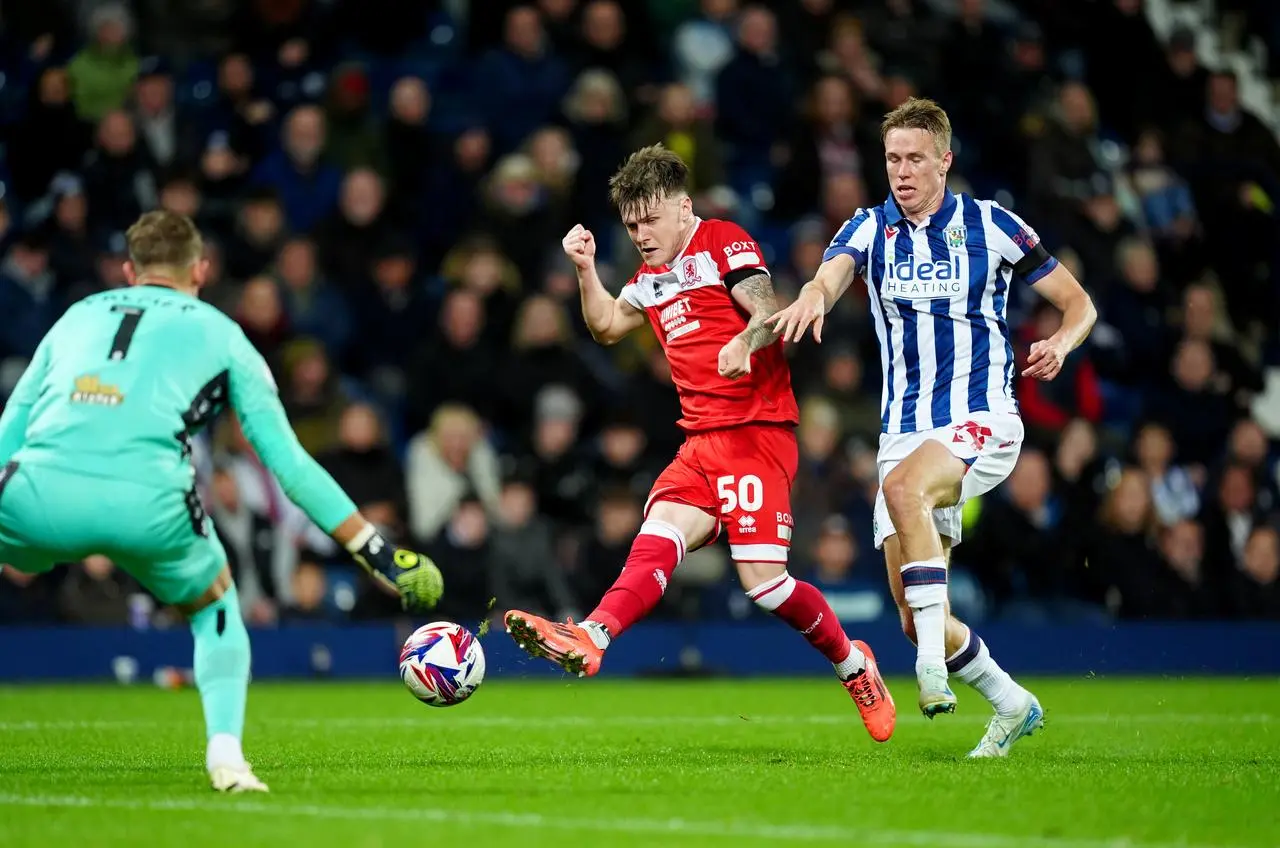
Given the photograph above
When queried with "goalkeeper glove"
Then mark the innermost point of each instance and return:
(413, 576)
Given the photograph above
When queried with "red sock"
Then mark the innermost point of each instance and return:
(655, 553)
(802, 606)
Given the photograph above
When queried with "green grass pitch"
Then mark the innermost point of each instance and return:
(1122, 764)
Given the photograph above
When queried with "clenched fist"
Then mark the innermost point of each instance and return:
(735, 359)
(580, 246)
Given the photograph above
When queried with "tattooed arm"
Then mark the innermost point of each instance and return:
(755, 295)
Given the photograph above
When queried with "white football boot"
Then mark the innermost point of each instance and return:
(235, 779)
(1002, 732)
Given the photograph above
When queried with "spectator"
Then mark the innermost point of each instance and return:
(701, 47)
(171, 140)
(1022, 526)
(313, 394)
(258, 237)
(1074, 393)
(261, 315)
(1135, 307)
(754, 93)
(524, 569)
(354, 140)
(1199, 436)
(464, 552)
(1124, 564)
(364, 466)
(389, 318)
(827, 144)
(309, 589)
(312, 306)
(519, 213)
(102, 73)
(597, 114)
(350, 236)
(1255, 587)
(454, 364)
(72, 254)
(412, 149)
(1168, 209)
(95, 593)
(308, 186)
(1175, 489)
(53, 137)
(519, 86)
(119, 178)
(446, 463)
(26, 297)
(1188, 590)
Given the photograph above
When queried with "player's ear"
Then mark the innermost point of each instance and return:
(200, 272)
(130, 274)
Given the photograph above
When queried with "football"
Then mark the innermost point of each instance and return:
(442, 664)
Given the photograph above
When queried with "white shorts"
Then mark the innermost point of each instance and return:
(988, 442)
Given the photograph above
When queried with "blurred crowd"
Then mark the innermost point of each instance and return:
(383, 185)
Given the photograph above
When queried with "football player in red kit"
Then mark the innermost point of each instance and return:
(704, 287)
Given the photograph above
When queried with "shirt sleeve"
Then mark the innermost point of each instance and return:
(1019, 245)
(256, 402)
(17, 411)
(737, 255)
(854, 239)
(630, 295)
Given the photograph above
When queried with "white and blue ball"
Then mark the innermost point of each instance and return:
(442, 664)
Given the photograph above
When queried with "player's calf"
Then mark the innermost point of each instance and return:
(802, 606)
(221, 669)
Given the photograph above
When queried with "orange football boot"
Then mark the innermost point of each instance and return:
(872, 697)
(567, 645)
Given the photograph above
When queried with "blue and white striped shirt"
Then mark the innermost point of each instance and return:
(938, 295)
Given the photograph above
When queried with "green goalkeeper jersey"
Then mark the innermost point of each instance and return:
(126, 377)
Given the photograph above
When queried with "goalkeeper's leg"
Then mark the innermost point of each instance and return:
(221, 667)
(198, 583)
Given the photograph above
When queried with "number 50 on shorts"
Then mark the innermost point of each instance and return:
(746, 492)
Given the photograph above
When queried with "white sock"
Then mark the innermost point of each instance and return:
(598, 632)
(973, 664)
(852, 664)
(223, 750)
(925, 586)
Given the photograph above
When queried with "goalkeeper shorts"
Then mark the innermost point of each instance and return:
(160, 536)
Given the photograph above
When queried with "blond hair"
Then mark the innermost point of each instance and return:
(919, 113)
(649, 176)
(163, 239)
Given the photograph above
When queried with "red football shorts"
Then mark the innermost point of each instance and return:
(742, 477)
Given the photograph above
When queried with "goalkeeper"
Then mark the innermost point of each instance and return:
(95, 455)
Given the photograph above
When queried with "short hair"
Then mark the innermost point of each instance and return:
(165, 239)
(649, 176)
(919, 113)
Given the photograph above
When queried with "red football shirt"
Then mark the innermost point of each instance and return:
(694, 315)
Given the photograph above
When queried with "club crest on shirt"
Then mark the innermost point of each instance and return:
(955, 236)
(689, 275)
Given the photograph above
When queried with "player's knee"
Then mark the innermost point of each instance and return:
(903, 495)
(753, 575)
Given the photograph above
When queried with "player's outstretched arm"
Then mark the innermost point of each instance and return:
(253, 396)
(1061, 288)
(815, 299)
(756, 297)
(608, 318)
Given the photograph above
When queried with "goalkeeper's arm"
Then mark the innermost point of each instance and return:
(253, 396)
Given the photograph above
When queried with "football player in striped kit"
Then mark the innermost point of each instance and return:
(938, 267)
